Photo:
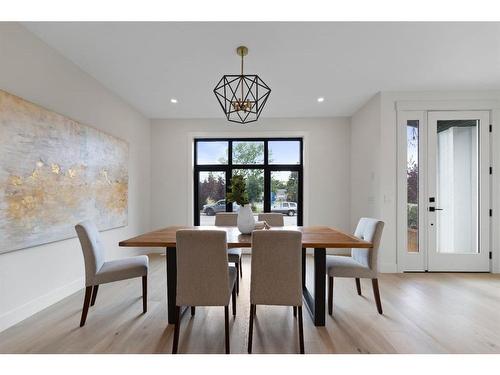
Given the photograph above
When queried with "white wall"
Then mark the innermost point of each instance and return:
(326, 165)
(34, 278)
(365, 151)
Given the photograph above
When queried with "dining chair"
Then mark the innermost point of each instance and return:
(276, 274)
(362, 264)
(273, 219)
(203, 275)
(230, 219)
(98, 272)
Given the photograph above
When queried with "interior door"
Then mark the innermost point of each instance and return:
(458, 191)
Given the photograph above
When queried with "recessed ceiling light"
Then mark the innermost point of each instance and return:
(173, 101)
(321, 100)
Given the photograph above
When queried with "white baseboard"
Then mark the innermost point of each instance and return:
(387, 268)
(20, 313)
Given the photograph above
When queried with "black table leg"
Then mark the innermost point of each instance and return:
(316, 305)
(171, 283)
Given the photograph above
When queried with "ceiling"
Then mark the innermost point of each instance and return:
(147, 64)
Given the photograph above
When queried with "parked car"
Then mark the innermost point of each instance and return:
(285, 208)
(219, 206)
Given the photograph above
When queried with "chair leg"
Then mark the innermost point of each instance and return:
(358, 286)
(94, 295)
(294, 311)
(301, 331)
(237, 279)
(86, 304)
(177, 328)
(233, 298)
(241, 269)
(250, 330)
(376, 294)
(226, 318)
(145, 294)
(193, 310)
(330, 295)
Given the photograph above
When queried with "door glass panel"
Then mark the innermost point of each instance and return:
(284, 195)
(457, 186)
(412, 181)
(254, 179)
(248, 152)
(211, 196)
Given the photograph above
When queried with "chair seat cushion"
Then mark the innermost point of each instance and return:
(343, 266)
(122, 269)
(234, 255)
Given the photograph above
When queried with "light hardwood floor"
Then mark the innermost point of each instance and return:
(423, 313)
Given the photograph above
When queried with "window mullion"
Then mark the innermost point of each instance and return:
(266, 153)
(267, 189)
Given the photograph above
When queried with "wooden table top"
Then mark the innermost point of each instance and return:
(312, 237)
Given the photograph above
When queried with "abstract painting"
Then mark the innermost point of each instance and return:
(54, 173)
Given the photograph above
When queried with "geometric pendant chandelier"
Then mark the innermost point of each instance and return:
(242, 97)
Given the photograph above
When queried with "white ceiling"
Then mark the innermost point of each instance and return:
(147, 64)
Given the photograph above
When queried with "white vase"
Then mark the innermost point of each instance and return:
(246, 221)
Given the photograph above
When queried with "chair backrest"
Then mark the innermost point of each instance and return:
(369, 230)
(202, 269)
(226, 219)
(276, 275)
(93, 250)
(273, 219)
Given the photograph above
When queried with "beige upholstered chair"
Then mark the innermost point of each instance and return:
(361, 264)
(230, 219)
(273, 219)
(97, 271)
(203, 275)
(276, 275)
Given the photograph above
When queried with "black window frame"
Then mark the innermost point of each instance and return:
(265, 166)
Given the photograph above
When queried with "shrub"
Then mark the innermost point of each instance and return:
(238, 191)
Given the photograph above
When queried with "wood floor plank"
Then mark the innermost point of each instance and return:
(423, 313)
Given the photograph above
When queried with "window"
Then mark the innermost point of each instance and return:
(272, 168)
(285, 152)
(212, 192)
(412, 177)
(248, 152)
(213, 152)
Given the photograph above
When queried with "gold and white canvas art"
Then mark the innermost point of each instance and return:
(55, 172)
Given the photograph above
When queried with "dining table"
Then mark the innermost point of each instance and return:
(318, 238)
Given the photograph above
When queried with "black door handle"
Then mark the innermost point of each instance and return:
(432, 209)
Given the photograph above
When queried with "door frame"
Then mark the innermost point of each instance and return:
(420, 108)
